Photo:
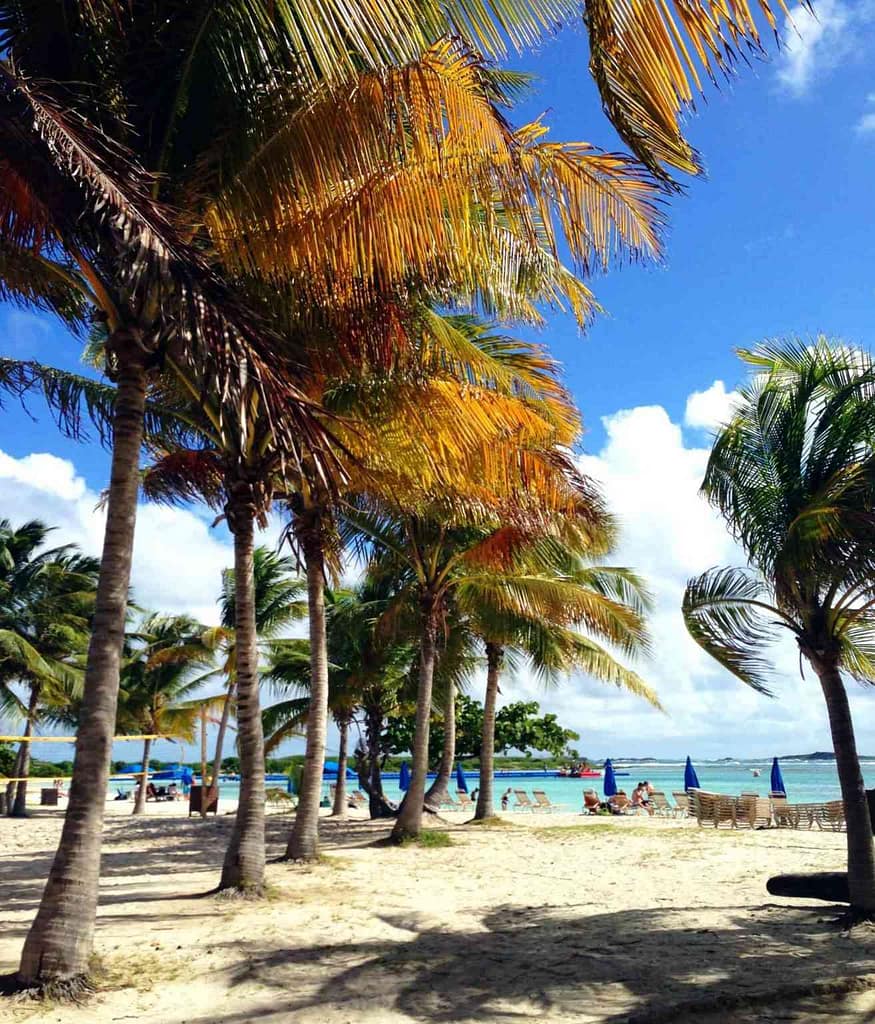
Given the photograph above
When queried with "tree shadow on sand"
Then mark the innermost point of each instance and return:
(521, 963)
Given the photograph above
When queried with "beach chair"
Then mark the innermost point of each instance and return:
(753, 811)
(544, 802)
(358, 798)
(661, 806)
(682, 804)
(621, 804)
(591, 802)
(522, 801)
(465, 802)
(831, 815)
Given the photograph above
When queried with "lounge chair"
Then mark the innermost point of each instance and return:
(621, 804)
(713, 808)
(465, 801)
(358, 798)
(522, 801)
(682, 804)
(753, 811)
(591, 802)
(831, 815)
(661, 806)
(544, 802)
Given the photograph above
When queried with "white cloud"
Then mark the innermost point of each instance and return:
(866, 124)
(651, 478)
(178, 559)
(711, 408)
(814, 43)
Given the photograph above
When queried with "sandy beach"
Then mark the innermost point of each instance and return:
(551, 916)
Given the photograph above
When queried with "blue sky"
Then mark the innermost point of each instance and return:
(777, 240)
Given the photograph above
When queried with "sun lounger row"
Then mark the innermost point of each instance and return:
(752, 811)
(522, 802)
(830, 815)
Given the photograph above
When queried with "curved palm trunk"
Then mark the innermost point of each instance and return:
(339, 809)
(220, 737)
(304, 839)
(140, 802)
(439, 789)
(243, 868)
(486, 796)
(861, 852)
(18, 808)
(61, 940)
(409, 822)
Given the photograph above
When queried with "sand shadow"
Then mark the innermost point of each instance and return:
(517, 963)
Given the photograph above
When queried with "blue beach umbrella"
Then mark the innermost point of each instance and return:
(610, 779)
(404, 777)
(461, 781)
(691, 780)
(777, 778)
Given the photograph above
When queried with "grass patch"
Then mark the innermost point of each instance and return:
(431, 838)
(494, 822)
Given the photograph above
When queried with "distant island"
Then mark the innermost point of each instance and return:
(820, 755)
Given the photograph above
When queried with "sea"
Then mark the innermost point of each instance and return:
(804, 781)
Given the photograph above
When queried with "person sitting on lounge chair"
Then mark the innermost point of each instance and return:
(618, 802)
(591, 802)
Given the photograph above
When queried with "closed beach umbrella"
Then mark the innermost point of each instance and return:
(691, 780)
(404, 777)
(461, 781)
(610, 779)
(777, 778)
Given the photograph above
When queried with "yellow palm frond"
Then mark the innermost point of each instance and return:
(408, 175)
(648, 58)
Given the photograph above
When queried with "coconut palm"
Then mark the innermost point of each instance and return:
(793, 474)
(553, 613)
(46, 602)
(159, 681)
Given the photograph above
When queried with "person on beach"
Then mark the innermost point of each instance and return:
(639, 797)
(505, 797)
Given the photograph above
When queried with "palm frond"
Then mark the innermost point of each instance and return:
(725, 613)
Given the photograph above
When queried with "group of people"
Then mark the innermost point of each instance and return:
(620, 802)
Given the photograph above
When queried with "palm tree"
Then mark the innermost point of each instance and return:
(156, 694)
(537, 611)
(793, 474)
(46, 601)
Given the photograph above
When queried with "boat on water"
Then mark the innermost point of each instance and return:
(584, 773)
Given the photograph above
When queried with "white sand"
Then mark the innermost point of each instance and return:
(615, 917)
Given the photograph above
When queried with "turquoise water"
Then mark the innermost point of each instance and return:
(805, 781)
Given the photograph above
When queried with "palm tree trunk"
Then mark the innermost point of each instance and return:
(368, 764)
(140, 802)
(304, 839)
(243, 868)
(220, 738)
(486, 796)
(22, 762)
(861, 852)
(339, 809)
(408, 825)
(439, 789)
(61, 940)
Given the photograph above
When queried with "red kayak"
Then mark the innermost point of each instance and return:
(587, 773)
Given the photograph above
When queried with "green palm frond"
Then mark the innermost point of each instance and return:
(726, 614)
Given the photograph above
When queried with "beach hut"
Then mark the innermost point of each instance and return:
(461, 781)
(777, 778)
(404, 777)
(610, 781)
(691, 780)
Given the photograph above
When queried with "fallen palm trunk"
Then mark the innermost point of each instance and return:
(831, 886)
